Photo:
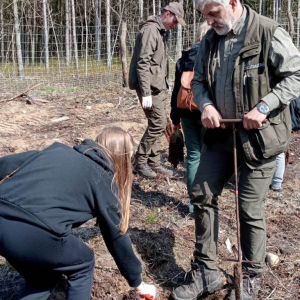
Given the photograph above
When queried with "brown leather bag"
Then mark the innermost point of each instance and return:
(185, 98)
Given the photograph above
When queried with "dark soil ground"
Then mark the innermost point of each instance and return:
(161, 228)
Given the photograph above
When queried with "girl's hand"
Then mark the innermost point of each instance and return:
(146, 291)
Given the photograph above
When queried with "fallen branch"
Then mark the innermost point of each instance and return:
(131, 107)
(64, 118)
(21, 94)
(282, 285)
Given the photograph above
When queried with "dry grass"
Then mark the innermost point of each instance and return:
(162, 230)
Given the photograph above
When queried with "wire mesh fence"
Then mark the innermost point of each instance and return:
(74, 61)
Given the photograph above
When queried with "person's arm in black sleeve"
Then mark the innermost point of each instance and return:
(12, 162)
(118, 245)
(175, 112)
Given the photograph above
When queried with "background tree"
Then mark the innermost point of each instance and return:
(18, 39)
(74, 33)
(1, 32)
(67, 13)
(108, 35)
(46, 35)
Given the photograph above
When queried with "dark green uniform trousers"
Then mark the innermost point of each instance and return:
(149, 146)
(215, 169)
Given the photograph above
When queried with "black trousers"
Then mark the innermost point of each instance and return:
(41, 258)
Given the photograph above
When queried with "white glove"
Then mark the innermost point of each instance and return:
(146, 291)
(147, 102)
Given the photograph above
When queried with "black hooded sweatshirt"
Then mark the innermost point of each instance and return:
(60, 188)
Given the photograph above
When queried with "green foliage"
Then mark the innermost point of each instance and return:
(152, 217)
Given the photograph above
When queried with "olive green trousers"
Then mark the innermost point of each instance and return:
(215, 169)
(148, 149)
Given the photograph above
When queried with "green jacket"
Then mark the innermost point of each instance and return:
(251, 83)
(149, 67)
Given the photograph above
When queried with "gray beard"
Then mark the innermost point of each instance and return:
(224, 29)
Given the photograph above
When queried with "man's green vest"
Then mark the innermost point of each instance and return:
(250, 80)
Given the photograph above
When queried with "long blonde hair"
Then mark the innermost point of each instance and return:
(118, 145)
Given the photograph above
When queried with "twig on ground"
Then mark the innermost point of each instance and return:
(271, 294)
(171, 279)
(131, 107)
(107, 268)
(21, 94)
(119, 103)
(289, 292)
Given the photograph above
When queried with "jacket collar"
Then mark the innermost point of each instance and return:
(238, 26)
(252, 45)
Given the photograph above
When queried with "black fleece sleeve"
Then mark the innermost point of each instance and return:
(175, 112)
(118, 245)
(10, 163)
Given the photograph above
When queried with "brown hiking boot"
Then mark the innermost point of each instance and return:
(145, 170)
(162, 170)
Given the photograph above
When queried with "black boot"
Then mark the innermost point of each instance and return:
(200, 280)
(145, 170)
(162, 170)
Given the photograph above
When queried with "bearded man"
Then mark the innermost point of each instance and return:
(246, 68)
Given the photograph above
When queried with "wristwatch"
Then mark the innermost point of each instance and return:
(263, 108)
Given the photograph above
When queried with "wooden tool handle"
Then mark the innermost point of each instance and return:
(231, 121)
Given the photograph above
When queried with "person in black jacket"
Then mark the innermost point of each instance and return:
(189, 119)
(44, 194)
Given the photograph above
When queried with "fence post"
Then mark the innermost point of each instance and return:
(124, 53)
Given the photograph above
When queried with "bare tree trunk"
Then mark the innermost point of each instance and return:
(67, 32)
(124, 54)
(74, 33)
(263, 7)
(98, 29)
(194, 21)
(298, 25)
(86, 39)
(291, 20)
(279, 11)
(179, 39)
(46, 34)
(141, 8)
(18, 40)
(108, 36)
(274, 10)
(33, 40)
(159, 6)
(260, 7)
(148, 12)
(153, 7)
(2, 32)
(56, 41)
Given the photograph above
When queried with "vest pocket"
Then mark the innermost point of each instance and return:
(273, 137)
(256, 89)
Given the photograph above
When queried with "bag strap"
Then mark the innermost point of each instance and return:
(186, 79)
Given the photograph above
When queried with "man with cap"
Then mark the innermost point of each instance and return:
(148, 75)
